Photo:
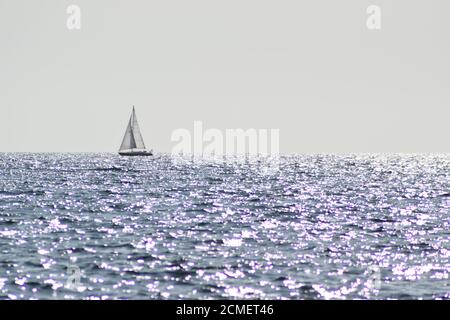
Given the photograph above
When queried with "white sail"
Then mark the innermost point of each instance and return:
(132, 138)
(128, 141)
(139, 142)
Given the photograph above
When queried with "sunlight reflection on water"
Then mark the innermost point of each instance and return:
(320, 227)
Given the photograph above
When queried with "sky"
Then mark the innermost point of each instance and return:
(311, 69)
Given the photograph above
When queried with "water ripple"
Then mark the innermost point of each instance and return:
(320, 227)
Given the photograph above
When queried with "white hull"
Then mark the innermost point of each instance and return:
(142, 153)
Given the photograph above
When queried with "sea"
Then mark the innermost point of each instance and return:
(323, 226)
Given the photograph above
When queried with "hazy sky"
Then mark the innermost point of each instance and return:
(309, 68)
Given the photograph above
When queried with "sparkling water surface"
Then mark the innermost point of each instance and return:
(100, 226)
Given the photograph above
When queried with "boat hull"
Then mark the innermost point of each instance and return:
(136, 153)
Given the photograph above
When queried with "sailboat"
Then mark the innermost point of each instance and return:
(132, 143)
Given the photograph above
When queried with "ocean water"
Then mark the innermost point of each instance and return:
(100, 226)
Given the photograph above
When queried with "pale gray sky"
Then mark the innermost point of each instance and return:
(310, 68)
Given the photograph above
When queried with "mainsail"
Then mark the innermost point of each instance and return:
(132, 138)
